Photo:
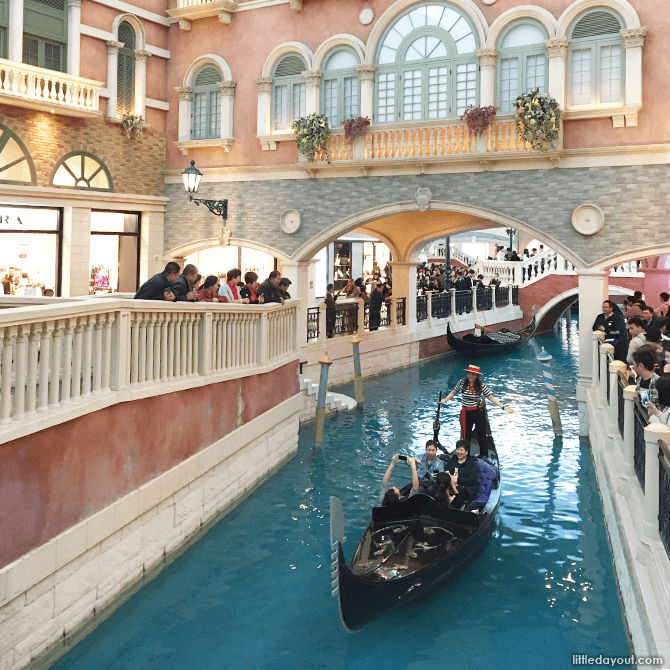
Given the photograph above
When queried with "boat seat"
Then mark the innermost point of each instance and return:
(488, 480)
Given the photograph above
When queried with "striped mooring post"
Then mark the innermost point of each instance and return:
(552, 405)
(358, 378)
(320, 416)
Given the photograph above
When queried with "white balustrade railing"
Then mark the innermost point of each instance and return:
(54, 356)
(48, 87)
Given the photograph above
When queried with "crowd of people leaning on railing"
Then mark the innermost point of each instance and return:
(437, 279)
(640, 337)
(189, 286)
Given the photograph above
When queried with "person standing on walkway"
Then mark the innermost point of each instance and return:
(376, 301)
(612, 323)
(472, 392)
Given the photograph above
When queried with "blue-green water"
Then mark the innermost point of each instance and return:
(254, 593)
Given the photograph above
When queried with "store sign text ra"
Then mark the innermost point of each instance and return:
(7, 220)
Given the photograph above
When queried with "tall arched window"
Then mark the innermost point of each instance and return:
(289, 97)
(206, 109)
(596, 59)
(426, 66)
(125, 83)
(522, 63)
(339, 87)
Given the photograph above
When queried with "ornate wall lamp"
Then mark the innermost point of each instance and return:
(192, 176)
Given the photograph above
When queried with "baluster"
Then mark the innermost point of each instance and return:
(228, 347)
(170, 345)
(56, 348)
(15, 81)
(457, 139)
(488, 137)
(68, 343)
(23, 86)
(61, 90)
(89, 98)
(164, 346)
(158, 327)
(142, 351)
(420, 137)
(31, 382)
(135, 348)
(441, 136)
(188, 319)
(97, 353)
(393, 133)
(466, 139)
(20, 378)
(195, 326)
(150, 348)
(372, 145)
(9, 344)
(87, 357)
(185, 345)
(505, 129)
(177, 345)
(108, 320)
(520, 142)
(45, 365)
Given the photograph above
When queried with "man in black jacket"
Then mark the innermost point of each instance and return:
(157, 288)
(268, 289)
(182, 287)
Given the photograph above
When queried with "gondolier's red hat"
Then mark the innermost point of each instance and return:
(473, 368)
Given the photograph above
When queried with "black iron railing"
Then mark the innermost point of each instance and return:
(641, 419)
(384, 315)
(346, 319)
(622, 403)
(312, 323)
(664, 495)
(421, 308)
(484, 299)
(502, 297)
(463, 302)
(440, 307)
(400, 311)
(515, 295)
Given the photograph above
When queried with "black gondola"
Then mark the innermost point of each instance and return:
(407, 550)
(487, 344)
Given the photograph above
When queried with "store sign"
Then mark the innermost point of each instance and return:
(20, 219)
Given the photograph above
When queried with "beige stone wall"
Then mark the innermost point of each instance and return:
(136, 164)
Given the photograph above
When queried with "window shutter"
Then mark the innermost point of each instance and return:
(127, 36)
(125, 82)
(208, 76)
(290, 65)
(595, 24)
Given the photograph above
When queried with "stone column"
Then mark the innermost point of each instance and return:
(227, 91)
(605, 351)
(263, 123)
(558, 50)
(112, 76)
(151, 245)
(15, 41)
(487, 77)
(366, 75)
(634, 41)
(141, 82)
(76, 250)
(593, 289)
(627, 462)
(302, 275)
(312, 91)
(616, 368)
(185, 102)
(73, 35)
(404, 286)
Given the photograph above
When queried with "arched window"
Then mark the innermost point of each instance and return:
(16, 164)
(289, 98)
(339, 87)
(206, 109)
(82, 170)
(596, 59)
(125, 83)
(426, 66)
(523, 64)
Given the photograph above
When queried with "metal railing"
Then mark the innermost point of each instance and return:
(664, 496)
(440, 305)
(345, 320)
(515, 295)
(312, 323)
(502, 298)
(421, 308)
(400, 312)
(641, 419)
(484, 299)
(463, 302)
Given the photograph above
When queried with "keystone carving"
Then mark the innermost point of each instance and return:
(557, 47)
(312, 77)
(487, 56)
(227, 87)
(634, 37)
(423, 198)
(264, 84)
(366, 71)
(185, 92)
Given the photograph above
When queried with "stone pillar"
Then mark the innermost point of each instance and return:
(302, 276)
(112, 76)
(593, 289)
(141, 82)
(627, 462)
(615, 368)
(634, 41)
(76, 250)
(15, 41)
(73, 36)
(312, 90)
(558, 50)
(404, 286)
(487, 76)
(264, 85)
(366, 75)
(227, 91)
(185, 102)
(605, 351)
(151, 245)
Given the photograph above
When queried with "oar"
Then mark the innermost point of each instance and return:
(436, 423)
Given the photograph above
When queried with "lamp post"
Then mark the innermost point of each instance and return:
(192, 176)
(510, 231)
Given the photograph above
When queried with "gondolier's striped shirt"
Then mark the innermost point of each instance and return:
(469, 398)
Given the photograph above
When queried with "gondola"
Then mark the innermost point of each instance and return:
(408, 549)
(487, 345)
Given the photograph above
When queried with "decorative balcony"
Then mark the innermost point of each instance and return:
(192, 10)
(47, 90)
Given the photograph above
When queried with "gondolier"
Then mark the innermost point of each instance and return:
(473, 391)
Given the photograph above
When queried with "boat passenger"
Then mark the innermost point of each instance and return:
(391, 494)
(464, 475)
(427, 466)
(472, 412)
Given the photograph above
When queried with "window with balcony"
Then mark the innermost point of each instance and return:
(289, 94)
(125, 82)
(340, 91)
(426, 66)
(596, 58)
(206, 107)
(45, 34)
(523, 64)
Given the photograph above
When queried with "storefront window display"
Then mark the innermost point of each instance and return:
(30, 240)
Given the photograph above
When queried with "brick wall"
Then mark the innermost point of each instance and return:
(136, 164)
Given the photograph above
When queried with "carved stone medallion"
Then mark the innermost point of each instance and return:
(588, 219)
(290, 221)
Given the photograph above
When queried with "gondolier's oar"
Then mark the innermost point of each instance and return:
(436, 423)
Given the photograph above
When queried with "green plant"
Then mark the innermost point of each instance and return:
(539, 119)
(311, 135)
(354, 128)
(132, 124)
(478, 119)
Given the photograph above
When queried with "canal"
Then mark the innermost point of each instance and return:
(254, 593)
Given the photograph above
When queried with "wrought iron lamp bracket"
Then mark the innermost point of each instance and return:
(218, 207)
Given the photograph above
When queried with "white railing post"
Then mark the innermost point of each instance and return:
(453, 302)
(56, 351)
(494, 305)
(605, 349)
(628, 456)
(45, 366)
(121, 351)
(429, 307)
(9, 345)
(393, 313)
(360, 303)
(615, 367)
(598, 337)
(205, 333)
(262, 342)
(20, 375)
(322, 322)
(474, 300)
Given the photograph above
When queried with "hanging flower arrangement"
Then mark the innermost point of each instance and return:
(478, 119)
(354, 128)
(311, 136)
(539, 119)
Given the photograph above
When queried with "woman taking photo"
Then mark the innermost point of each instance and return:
(472, 411)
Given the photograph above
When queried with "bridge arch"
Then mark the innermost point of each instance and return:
(631, 255)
